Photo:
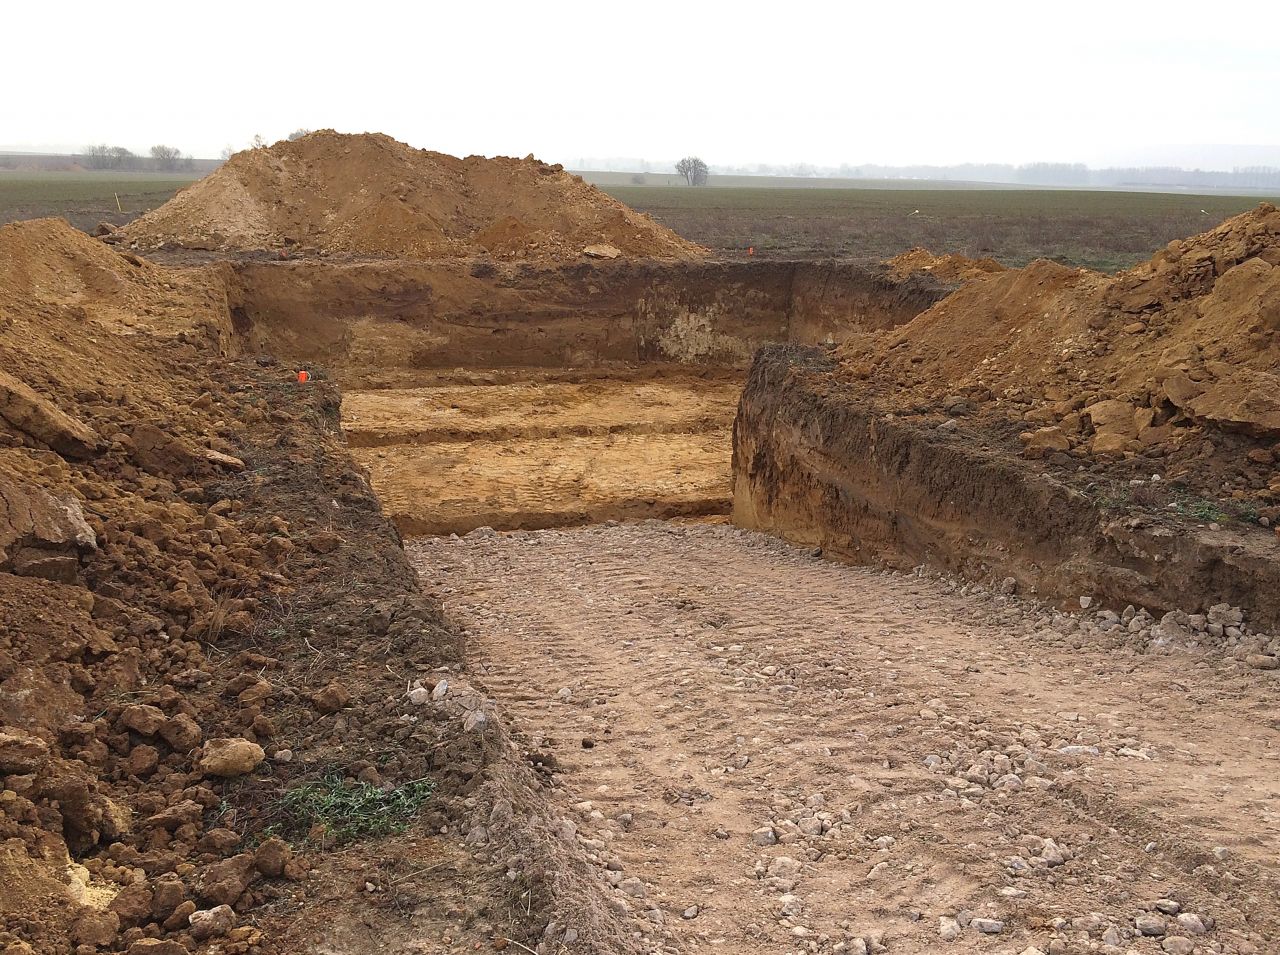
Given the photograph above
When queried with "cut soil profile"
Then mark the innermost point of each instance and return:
(1084, 436)
(212, 638)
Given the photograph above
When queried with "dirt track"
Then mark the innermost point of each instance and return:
(920, 752)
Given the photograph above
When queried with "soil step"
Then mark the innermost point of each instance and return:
(536, 409)
(457, 486)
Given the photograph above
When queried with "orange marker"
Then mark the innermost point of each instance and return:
(751, 250)
(304, 376)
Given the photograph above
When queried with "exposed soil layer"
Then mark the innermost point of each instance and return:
(367, 320)
(454, 487)
(766, 752)
(816, 462)
(205, 613)
(369, 194)
(640, 429)
(533, 408)
(447, 459)
(1084, 435)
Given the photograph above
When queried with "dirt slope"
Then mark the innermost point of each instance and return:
(1178, 358)
(369, 194)
(174, 655)
(46, 266)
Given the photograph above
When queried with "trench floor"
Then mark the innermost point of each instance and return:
(448, 457)
(765, 751)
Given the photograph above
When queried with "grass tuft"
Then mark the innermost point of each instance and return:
(349, 811)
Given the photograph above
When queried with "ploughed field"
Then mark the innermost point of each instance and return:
(1090, 228)
(1093, 228)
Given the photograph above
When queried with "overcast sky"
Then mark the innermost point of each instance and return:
(735, 82)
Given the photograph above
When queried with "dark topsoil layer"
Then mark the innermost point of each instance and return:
(819, 460)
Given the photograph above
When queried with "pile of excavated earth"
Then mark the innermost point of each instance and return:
(371, 195)
(951, 267)
(204, 610)
(236, 716)
(1173, 365)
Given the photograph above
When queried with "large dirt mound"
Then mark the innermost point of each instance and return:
(952, 267)
(1179, 356)
(46, 265)
(369, 194)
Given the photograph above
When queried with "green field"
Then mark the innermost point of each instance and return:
(1093, 228)
(85, 198)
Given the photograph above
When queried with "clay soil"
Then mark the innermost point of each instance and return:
(536, 453)
(369, 194)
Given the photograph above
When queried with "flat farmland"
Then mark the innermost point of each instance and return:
(788, 218)
(1092, 228)
(85, 198)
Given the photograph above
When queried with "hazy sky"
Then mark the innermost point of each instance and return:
(921, 82)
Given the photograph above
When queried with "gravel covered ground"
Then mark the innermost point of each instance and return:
(765, 751)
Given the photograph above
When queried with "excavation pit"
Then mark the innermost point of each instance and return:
(479, 393)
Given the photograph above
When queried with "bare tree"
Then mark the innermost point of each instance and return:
(166, 158)
(257, 142)
(103, 156)
(298, 134)
(228, 152)
(693, 169)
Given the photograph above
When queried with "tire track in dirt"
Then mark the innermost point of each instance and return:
(768, 752)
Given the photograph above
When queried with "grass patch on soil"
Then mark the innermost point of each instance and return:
(1174, 498)
(348, 811)
(85, 198)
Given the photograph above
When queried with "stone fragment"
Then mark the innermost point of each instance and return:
(157, 946)
(1191, 924)
(332, 698)
(21, 753)
(764, 836)
(230, 757)
(272, 856)
(212, 923)
(948, 929)
(1151, 925)
(40, 419)
(97, 928)
(182, 733)
(143, 719)
(225, 881)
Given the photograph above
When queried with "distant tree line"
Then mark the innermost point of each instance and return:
(162, 158)
(1033, 174)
